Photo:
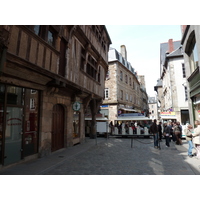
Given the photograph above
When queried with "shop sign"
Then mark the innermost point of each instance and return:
(167, 113)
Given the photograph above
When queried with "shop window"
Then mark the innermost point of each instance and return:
(2, 96)
(31, 122)
(15, 95)
(76, 125)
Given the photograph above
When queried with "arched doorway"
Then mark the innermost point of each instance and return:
(57, 128)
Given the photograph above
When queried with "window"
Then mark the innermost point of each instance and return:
(91, 67)
(194, 58)
(108, 75)
(106, 93)
(186, 93)
(36, 29)
(130, 81)
(183, 69)
(126, 96)
(121, 75)
(83, 58)
(126, 79)
(50, 38)
(121, 94)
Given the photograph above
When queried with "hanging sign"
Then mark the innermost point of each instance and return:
(76, 106)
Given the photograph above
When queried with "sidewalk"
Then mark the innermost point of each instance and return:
(40, 165)
(113, 156)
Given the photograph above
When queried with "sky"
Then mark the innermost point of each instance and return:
(143, 47)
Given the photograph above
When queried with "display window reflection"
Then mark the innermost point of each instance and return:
(2, 97)
(76, 125)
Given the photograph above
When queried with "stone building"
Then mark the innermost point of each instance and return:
(153, 108)
(173, 83)
(49, 77)
(122, 87)
(191, 48)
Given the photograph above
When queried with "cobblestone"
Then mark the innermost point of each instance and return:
(113, 156)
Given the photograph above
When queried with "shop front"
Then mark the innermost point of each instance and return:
(19, 109)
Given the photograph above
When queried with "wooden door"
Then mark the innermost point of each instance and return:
(58, 127)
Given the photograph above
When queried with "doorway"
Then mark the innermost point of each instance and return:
(57, 128)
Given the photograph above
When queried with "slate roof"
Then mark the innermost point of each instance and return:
(164, 48)
(114, 55)
(177, 52)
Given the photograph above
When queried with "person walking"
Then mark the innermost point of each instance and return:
(154, 130)
(178, 133)
(196, 138)
(166, 133)
(188, 133)
(160, 131)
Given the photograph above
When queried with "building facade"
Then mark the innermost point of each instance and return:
(191, 48)
(153, 108)
(173, 84)
(123, 93)
(49, 77)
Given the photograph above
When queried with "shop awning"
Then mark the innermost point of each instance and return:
(129, 109)
(168, 117)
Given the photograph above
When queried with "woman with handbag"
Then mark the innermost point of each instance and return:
(196, 138)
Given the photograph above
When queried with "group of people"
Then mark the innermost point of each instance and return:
(126, 127)
(173, 131)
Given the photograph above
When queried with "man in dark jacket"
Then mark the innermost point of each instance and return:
(166, 133)
(154, 130)
(160, 131)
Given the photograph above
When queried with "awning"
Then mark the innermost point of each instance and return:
(128, 109)
(168, 117)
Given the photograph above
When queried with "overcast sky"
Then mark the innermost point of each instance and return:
(143, 47)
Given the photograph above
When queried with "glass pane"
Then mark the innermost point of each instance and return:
(76, 124)
(50, 38)
(15, 95)
(2, 97)
(31, 122)
(37, 29)
(14, 119)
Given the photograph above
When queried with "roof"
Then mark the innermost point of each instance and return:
(177, 52)
(164, 48)
(114, 55)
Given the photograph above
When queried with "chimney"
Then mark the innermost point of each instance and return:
(170, 45)
(123, 51)
(183, 27)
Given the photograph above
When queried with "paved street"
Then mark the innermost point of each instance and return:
(113, 156)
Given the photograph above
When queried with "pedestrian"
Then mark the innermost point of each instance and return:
(196, 138)
(111, 127)
(188, 133)
(166, 132)
(160, 131)
(178, 133)
(154, 130)
(134, 128)
(126, 128)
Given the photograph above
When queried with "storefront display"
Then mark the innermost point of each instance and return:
(18, 123)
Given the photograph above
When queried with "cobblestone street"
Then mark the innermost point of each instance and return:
(113, 156)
